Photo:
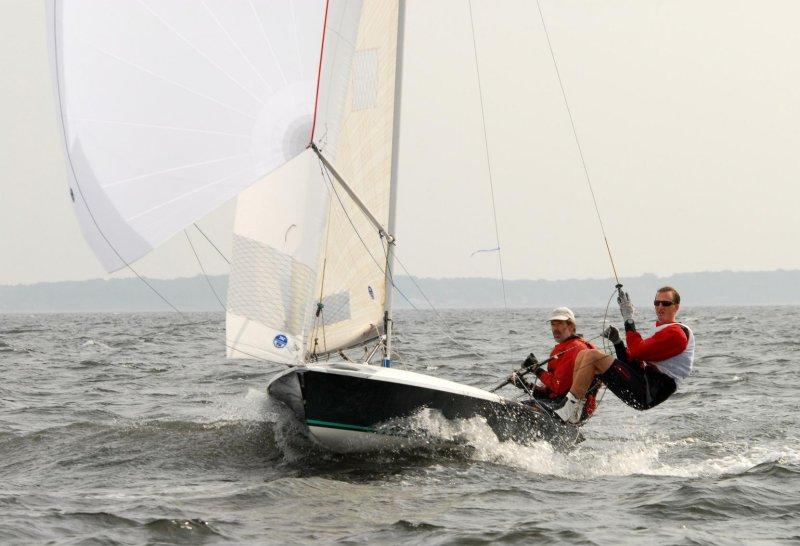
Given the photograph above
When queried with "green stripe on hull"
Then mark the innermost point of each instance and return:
(328, 424)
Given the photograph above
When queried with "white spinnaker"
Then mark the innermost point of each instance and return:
(354, 132)
(276, 246)
(171, 107)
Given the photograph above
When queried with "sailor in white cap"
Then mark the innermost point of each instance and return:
(557, 379)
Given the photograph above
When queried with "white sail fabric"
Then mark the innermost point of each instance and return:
(169, 108)
(354, 132)
(276, 246)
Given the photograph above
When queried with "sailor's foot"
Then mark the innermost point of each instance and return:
(570, 410)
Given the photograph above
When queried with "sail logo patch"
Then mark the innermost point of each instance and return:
(280, 341)
(371, 293)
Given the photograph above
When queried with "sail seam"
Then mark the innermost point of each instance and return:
(577, 141)
(235, 44)
(199, 52)
(172, 82)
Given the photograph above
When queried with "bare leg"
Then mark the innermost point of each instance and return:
(588, 363)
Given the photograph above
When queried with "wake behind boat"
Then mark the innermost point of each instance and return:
(349, 408)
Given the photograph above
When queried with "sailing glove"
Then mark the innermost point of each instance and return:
(612, 335)
(531, 361)
(625, 306)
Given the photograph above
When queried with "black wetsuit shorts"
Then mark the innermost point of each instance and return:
(641, 387)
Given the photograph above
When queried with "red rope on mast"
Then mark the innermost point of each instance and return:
(319, 72)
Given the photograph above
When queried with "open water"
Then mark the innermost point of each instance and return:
(134, 429)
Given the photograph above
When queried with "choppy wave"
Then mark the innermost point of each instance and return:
(474, 439)
(135, 429)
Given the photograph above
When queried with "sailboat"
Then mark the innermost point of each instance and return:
(169, 109)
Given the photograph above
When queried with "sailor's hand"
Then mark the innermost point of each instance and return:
(612, 335)
(531, 361)
(625, 305)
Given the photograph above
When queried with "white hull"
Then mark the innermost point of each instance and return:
(354, 441)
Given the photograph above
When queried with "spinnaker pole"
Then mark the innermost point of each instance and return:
(398, 88)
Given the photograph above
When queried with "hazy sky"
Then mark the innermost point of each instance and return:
(688, 113)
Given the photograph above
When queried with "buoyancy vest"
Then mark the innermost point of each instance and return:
(678, 367)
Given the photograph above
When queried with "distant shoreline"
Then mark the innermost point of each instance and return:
(722, 288)
(397, 309)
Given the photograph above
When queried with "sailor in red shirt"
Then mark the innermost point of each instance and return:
(648, 371)
(557, 379)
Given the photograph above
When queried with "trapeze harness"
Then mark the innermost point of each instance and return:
(680, 366)
(644, 384)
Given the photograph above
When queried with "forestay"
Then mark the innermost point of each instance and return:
(169, 108)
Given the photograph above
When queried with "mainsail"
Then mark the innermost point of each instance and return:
(282, 306)
(355, 135)
(170, 108)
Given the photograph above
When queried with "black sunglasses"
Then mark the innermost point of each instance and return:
(663, 303)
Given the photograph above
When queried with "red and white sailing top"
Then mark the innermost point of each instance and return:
(670, 349)
(560, 368)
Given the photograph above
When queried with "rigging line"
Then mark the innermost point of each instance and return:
(319, 314)
(341, 203)
(445, 323)
(429, 302)
(211, 243)
(326, 176)
(203, 269)
(319, 74)
(605, 348)
(577, 141)
(488, 160)
(440, 318)
(605, 320)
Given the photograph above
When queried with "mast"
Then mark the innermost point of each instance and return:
(398, 87)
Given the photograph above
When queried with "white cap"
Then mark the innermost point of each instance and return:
(562, 313)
